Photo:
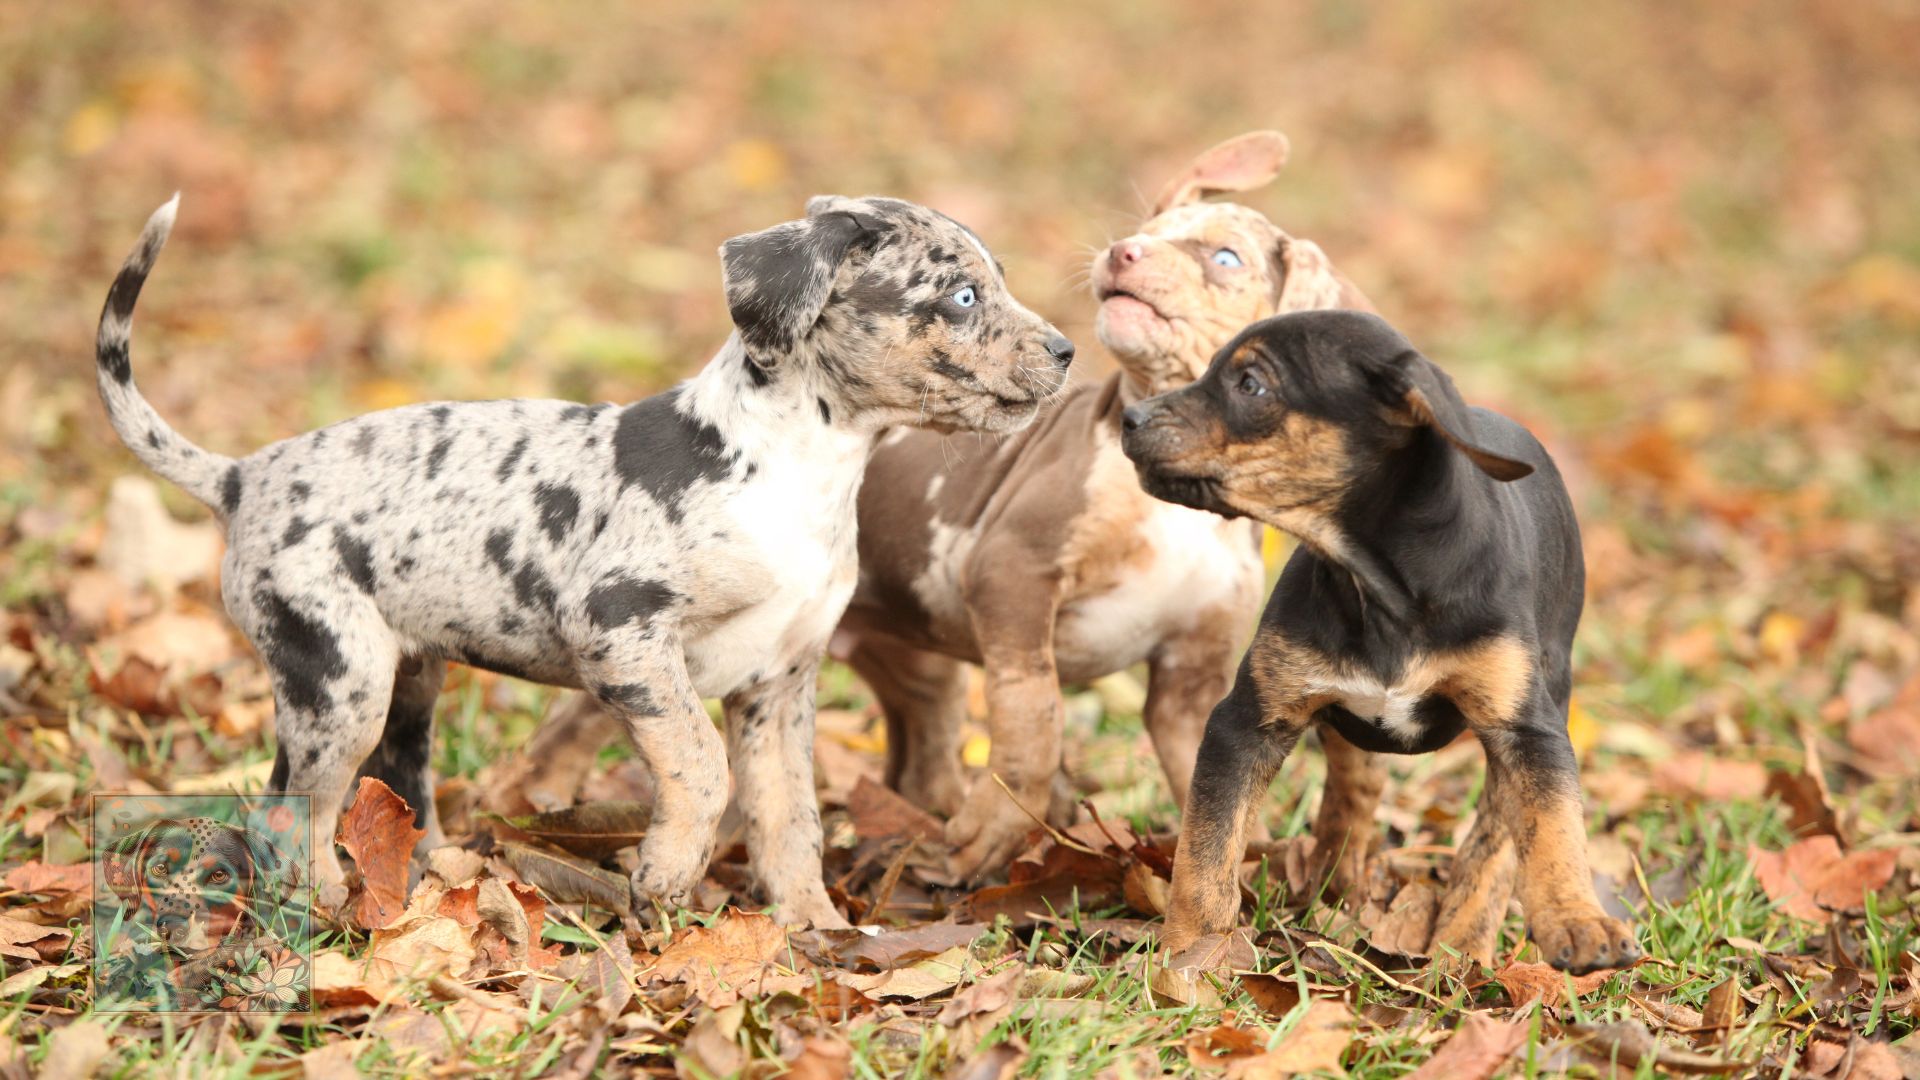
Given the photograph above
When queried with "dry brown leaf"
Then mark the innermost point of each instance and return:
(32, 942)
(567, 878)
(893, 948)
(821, 1058)
(1809, 807)
(1724, 1006)
(419, 949)
(1528, 983)
(880, 812)
(988, 995)
(590, 830)
(1630, 1044)
(1146, 892)
(1276, 996)
(919, 980)
(1000, 1061)
(77, 1049)
(1811, 879)
(1710, 777)
(1406, 927)
(1318, 1040)
(38, 877)
(378, 831)
(1887, 741)
(741, 955)
(1476, 1049)
(1219, 1046)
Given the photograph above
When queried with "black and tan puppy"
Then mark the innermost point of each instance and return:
(1436, 589)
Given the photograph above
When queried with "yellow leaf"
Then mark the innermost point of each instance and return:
(1780, 635)
(1275, 546)
(89, 128)
(976, 751)
(756, 164)
(385, 394)
(1581, 729)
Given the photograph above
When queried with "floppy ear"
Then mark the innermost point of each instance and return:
(1242, 163)
(122, 862)
(1310, 283)
(1427, 398)
(778, 279)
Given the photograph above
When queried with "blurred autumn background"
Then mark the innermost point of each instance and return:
(1682, 242)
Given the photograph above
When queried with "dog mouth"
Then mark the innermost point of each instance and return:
(1121, 300)
(1194, 490)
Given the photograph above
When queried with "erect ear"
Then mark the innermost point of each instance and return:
(1242, 163)
(1310, 283)
(1426, 398)
(778, 279)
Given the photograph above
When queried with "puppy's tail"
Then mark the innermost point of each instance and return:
(209, 477)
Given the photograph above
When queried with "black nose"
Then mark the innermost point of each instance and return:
(1134, 418)
(1061, 349)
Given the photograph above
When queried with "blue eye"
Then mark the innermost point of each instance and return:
(1227, 257)
(965, 297)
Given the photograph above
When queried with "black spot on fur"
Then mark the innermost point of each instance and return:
(356, 559)
(499, 549)
(632, 698)
(576, 412)
(533, 589)
(403, 566)
(826, 414)
(441, 412)
(559, 506)
(297, 530)
(230, 490)
(153, 439)
(666, 452)
(113, 356)
(599, 524)
(299, 491)
(620, 600)
(510, 624)
(438, 456)
(363, 441)
(303, 652)
(513, 458)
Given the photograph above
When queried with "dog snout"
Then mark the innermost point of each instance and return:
(1125, 252)
(1060, 347)
(1134, 418)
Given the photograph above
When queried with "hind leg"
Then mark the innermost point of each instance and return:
(924, 698)
(1344, 832)
(404, 759)
(332, 665)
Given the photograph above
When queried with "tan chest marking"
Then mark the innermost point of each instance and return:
(1486, 681)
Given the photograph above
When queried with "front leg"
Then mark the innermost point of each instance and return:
(770, 743)
(1186, 678)
(1535, 784)
(1344, 830)
(1237, 760)
(1013, 622)
(643, 682)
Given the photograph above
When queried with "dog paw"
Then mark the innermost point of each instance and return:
(816, 912)
(1582, 941)
(987, 837)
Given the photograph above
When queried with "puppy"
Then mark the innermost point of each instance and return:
(699, 543)
(1436, 589)
(1038, 557)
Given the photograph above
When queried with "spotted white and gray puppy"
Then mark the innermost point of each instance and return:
(698, 543)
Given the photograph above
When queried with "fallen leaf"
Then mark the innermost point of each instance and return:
(1406, 927)
(1723, 1006)
(986, 996)
(1528, 983)
(734, 958)
(1710, 777)
(919, 980)
(1219, 1046)
(378, 831)
(879, 812)
(76, 1050)
(590, 830)
(420, 949)
(16, 935)
(1319, 1040)
(1811, 879)
(1476, 1049)
(1630, 1044)
(895, 947)
(568, 879)
(1000, 1061)
(821, 1058)
(1809, 807)
(38, 877)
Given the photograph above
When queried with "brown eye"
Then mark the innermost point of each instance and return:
(158, 869)
(218, 877)
(1251, 386)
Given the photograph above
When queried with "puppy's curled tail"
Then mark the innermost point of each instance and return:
(207, 476)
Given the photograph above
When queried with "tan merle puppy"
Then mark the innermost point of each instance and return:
(1436, 589)
(699, 543)
(1037, 555)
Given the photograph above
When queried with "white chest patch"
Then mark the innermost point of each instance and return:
(1196, 565)
(1389, 707)
(790, 567)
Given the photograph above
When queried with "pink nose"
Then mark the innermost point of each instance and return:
(1125, 251)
